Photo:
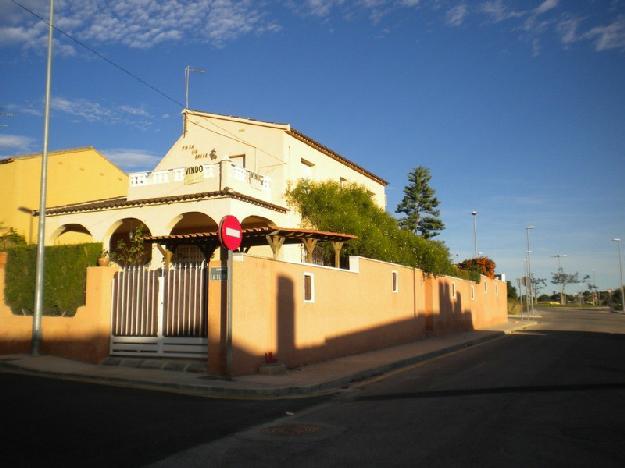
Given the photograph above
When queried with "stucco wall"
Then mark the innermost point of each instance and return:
(84, 337)
(352, 312)
(74, 176)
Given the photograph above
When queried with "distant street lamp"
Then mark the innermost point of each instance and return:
(620, 266)
(474, 214)
(559, 256)
(529, 270)
(562, 296)
(187, 71)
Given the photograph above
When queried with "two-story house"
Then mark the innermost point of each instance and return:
(220, 165)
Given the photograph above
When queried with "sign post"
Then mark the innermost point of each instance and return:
(230, 236)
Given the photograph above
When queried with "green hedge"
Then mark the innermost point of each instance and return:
(65, 278)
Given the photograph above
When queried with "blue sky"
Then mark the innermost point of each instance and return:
(517, 107)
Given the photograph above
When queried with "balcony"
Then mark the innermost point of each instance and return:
(201, 178)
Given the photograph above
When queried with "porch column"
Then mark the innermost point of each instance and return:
(337, 246)
(275, 242)
(309, 244)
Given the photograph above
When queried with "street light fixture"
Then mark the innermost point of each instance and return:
(620, 266)
(474, 214)
(529, 270)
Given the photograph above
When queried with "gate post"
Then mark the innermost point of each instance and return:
(161, 310)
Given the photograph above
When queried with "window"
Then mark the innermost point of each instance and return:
(309, 287)
(238, 160)
(395, 281)
(485, 287)
(307, 168)
(453, 290)
(472, 292)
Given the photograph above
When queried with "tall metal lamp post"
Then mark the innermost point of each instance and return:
(529, 270)
(38, 312)
(620, 266)
(474, 214)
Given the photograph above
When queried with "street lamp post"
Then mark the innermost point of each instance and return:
(529, 270)
(620, 266)
(39, 269)
(562, 296)
(187, 72)
(474, 214)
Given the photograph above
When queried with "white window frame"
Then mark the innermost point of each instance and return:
(312, 287)
(395, 281)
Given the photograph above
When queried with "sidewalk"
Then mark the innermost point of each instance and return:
(314, 379)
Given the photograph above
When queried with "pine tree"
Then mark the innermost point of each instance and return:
(419, 205)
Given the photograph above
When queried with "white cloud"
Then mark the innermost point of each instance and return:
(455, 16)
(567, 28)
(611, 36)
(546, 6)
(136, 23)
(15, 142)
(498, 11)
(91, 111)
(132, 159)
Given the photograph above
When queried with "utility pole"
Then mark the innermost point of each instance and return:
(620, 266)
(187, 72)
(474, 213)
(41, 238)
(529, 269)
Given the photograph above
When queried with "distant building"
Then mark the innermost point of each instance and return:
(75, 175)
(219, 165)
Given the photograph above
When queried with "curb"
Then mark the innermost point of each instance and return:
(331, 386)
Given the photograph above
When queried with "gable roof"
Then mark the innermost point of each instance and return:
(289, 130)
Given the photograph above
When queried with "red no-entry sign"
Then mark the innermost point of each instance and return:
(230, 232)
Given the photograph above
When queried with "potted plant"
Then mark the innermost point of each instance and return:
(103, 259)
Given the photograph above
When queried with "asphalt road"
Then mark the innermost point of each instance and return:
(54, 423)
(550, 396)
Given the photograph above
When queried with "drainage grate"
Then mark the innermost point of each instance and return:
(292, 429)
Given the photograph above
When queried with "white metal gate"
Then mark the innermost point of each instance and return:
(160, 312)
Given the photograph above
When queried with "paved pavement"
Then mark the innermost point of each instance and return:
(309, 380)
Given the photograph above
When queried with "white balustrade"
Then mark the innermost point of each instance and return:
(209, 171)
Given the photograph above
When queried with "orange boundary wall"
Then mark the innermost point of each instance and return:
(353, 311)
(84, 337)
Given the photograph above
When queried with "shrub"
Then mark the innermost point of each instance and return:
(481, 265)
(64, 277)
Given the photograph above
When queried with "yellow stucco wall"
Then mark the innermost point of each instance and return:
(74, 176)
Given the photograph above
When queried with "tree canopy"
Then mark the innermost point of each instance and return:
(351, 210)
(419, 205)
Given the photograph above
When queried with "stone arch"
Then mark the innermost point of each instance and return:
(191, 222)
(256, 221)
(122, 232)
(68, 234)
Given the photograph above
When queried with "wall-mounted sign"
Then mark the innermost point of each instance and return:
(219, 273)
(193, 174)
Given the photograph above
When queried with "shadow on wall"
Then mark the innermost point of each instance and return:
(92, 348)
(451, 317)
(287, 350)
